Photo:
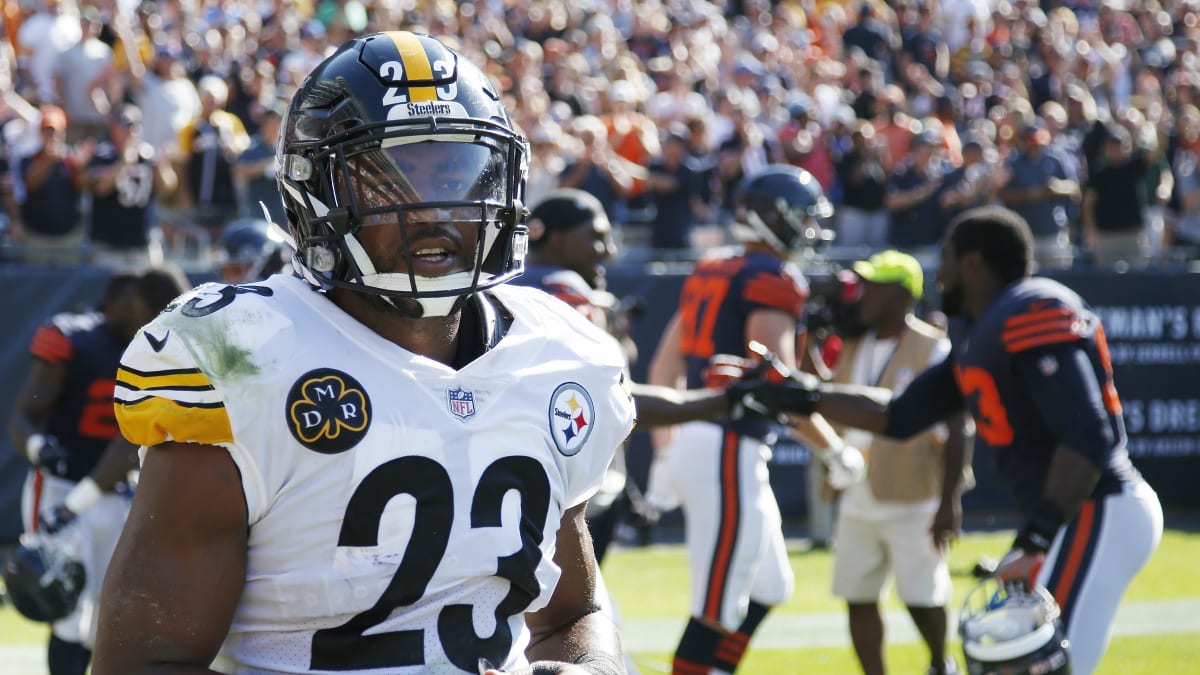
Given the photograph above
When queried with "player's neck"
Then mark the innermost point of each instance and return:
(433, 337)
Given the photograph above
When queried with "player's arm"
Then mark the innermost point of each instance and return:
(1073, 403)
(932, 397)
(40, 392)
(956, 457)
(667, 369)
(572, 633)
(774, 329)
(179, 566)
(659, 406)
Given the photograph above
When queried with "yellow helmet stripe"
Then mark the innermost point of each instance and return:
(416, 64)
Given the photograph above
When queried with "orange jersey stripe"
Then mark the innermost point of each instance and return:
(1083, 532)
(49, 344)
(727, 528)
(1034, 328)
(773, 291)
(1029, 317)
(683, 667)
(1059, 337)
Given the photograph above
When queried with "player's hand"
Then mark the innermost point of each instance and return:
(1019, 567)
(799, 394)
(947, 523)
(45, 452)
(56, 519)
(844, 466)
(660, 495)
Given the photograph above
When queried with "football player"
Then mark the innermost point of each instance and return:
(381, 465)
(63, 420)
(1030, 362)
(717, 472)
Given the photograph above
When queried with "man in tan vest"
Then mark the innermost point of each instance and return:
(901, 518)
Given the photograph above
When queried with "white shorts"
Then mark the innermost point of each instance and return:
(93, 537)
(866, 552)
(734, 536)
(1093, 560)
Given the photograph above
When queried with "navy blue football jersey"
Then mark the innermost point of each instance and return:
(1034, 371)
(83, 421)
(716, 300)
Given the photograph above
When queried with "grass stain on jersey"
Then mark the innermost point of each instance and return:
(224, 358)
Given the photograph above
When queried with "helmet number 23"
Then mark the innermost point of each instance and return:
(350, 647)
(393, 71)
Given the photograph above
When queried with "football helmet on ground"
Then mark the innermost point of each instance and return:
(41, 578)
(1007, 630)
(782, 206)
(398, 130)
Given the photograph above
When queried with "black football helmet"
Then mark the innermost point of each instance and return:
(388, 125)
(782, 205)
(42, 580)
(1007, 630)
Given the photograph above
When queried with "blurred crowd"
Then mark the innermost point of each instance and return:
(140, 130)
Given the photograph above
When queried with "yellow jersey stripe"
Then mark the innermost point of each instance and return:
(155, 420)
(416, 64)
(187, 378)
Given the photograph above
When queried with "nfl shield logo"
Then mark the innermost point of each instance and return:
(462, 403)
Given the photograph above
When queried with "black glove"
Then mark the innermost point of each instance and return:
(53, 457)
(56, 519)
(797, 395)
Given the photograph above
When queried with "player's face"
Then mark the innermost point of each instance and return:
(950, 282)
(440, 238)
(586, 248)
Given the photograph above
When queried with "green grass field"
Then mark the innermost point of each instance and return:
(650, 586)
(651, 583)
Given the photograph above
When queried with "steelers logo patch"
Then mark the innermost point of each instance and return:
(571, 417)
(328, 411)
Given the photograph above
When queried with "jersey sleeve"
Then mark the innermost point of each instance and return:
(1044, 322)
(162, 394)
(615, 418)
(1069, 398)
(932, 397)
(51, 345)
(782, 288)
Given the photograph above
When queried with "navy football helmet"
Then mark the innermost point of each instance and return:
(250, 251)
(391, 125)
(42, 580)
(1007, 630)
(782, 205)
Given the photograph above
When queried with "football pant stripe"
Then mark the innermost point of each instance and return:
(153, 420)
(416, 64)
(1075, 553)
(718, 569)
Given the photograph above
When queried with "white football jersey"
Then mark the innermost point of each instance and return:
(402, 514)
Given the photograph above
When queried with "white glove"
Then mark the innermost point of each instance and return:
(844, 465)
(660, 491)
